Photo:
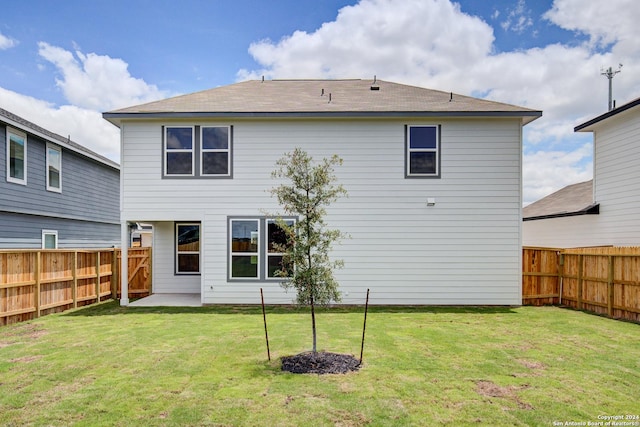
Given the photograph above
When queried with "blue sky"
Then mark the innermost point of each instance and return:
(63, 63)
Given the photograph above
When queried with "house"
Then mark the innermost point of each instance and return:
(434, 183)
(55, 193)
(606, 210)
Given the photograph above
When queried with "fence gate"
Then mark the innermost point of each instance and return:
(139, 272)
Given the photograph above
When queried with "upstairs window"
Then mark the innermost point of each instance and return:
(197, 151)
(423, 151)
(179, 153)
(54, 168)
(16, 156)
(215, 151)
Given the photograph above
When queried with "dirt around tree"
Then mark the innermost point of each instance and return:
(320, 363)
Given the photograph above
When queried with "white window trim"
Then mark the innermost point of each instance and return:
(12, 131)
(49, 233)
(256, 254)
(215, 150)
(178, 252)
(59, 150)
(179, 150)
(410, 150)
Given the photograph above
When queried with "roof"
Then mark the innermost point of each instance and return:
(587, 126)
(321, 98)
(27, 126)
(572, 200)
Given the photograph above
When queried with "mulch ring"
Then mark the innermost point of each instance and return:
(320, 363)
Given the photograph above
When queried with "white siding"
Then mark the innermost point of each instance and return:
(463, 250)
(164, 263)
(616, 188)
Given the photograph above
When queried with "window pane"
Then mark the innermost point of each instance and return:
(274, 263)
(179, 164)
(188, 263)
(54, 167)
(423, 137)
(215, 163)
(276, 236)
(179, 138)
(16, 157)
(188, 238)
(49, 241)
(422, 163)
(215, 138)
(244, 236)
(54, 178)
(244, 266)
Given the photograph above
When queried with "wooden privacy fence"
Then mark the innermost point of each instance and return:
(35, 283)
(603, 280)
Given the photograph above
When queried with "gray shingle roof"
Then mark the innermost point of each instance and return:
(321, 98)
(28, 126)
(575, 199)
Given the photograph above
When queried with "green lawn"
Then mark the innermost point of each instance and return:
(106, 365)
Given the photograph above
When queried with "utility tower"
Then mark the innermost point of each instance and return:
(610, 73)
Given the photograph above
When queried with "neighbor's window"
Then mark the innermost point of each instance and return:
(215, 146)
(187, 248)
(179, 151)
(423, 151)
(16, 156)
(277, 243)
(54, 168)
(244, 248)
(49, 239)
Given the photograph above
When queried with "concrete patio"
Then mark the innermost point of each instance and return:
(168, 300)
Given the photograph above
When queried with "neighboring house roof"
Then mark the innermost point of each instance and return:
(321, 98)
(572, 200)
(18, 122)
(588, 126)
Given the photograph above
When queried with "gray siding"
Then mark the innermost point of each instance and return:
(86, 213)
(18, 231)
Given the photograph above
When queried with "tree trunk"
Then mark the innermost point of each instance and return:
(313, 324)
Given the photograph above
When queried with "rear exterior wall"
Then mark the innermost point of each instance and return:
(465, 249)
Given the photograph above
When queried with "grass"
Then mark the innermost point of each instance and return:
(106, 365)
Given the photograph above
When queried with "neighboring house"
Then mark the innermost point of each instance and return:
(54, 193)
(434, 183)
(606, 210)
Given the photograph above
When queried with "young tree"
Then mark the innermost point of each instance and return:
(306, 264)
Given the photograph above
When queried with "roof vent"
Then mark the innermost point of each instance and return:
(374, 85)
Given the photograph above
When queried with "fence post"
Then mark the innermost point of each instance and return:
(38, 274)
(98, 276)
(560, 276)
(114, 273)
(74, 291)
(610, 286)
(580, 273)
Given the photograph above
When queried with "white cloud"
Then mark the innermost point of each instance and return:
(518, 19)
(433, 43)
(615, 21)
(387, 38)
(7, 42)
(545, 172)
(91, 83)
(86, 127)
(97, 82)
